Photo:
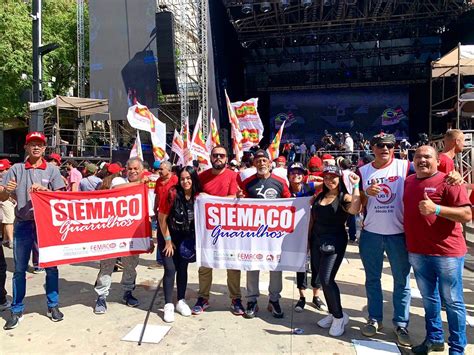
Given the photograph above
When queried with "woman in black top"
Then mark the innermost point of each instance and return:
(176, 219)
(328, 240)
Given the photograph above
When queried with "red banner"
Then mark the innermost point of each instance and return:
(74, 227)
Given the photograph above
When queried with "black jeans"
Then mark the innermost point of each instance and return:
(326, 267)
(302, 280)
(174, 266)
(3, 276)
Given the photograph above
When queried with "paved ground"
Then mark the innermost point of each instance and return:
(215, 331)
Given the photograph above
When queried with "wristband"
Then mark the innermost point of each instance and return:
(167, 238)
(355, 186)
(437, 210)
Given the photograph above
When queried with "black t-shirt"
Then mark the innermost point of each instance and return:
(269, 188)
(331, 218)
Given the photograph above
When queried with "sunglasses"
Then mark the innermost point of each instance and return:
(388, 145)
(217, 155)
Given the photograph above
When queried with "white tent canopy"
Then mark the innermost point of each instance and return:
(461, 57)
(84, 106)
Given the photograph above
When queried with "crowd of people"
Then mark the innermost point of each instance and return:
(410, 211)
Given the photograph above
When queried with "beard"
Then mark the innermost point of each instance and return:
(262, 171)
(218, 166)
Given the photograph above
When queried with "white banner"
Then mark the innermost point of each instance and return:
(252, 234)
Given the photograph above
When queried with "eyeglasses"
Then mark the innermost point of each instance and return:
(388, 145)
(218, 155)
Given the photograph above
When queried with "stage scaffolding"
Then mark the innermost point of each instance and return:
(75, 136)
(191, 19)
(454, 65)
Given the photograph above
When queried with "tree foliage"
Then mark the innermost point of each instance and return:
(59, 26)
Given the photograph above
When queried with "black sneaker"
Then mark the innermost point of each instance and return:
(55, 314)
(251, 311)
(130, 300)
(319, 304)
(300, 305)
(403, 337)
(237, 307)
(427, 346)
(275, 308)
(14, 320)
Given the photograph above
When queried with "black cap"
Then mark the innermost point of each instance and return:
(297, 166)
(382, 138)
(261, 154)
(332, 169)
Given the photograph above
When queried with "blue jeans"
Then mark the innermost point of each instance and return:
(24, 236)
(440, 277)
(351, 224)
(372, 247)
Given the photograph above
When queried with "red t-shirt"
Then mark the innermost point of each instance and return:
(446, 164)
(167, 201)
(162, 188)
(224, 184)
(433, 235)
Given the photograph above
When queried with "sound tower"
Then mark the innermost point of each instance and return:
(166, 52)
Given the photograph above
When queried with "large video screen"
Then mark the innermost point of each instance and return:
(123, 54)
(309, 114)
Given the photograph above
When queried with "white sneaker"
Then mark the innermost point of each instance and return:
(183, 308)
(326, 322)
(338, 325)
(169, 313)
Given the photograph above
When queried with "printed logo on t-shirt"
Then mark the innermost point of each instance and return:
(269, 193)
(385, 196)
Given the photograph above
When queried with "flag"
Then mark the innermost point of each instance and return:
(273, 149)
(136, 151)
(234, 130)
(140, 117)
(178, 146)
(158, 139)
(249, 122)
(198, 144)
(187, 156)
(213, 138)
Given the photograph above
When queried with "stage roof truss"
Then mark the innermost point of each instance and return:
(423, 17)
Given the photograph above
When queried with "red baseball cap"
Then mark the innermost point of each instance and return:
(35, 136)
(327, 156)
(281, 159)
(4, 164)
(114, 168)
(54, 156)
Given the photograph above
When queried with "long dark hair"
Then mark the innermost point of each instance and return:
(196, 185)
(341, 186)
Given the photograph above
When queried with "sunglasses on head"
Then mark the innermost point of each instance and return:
(218, 155)
(388, 145)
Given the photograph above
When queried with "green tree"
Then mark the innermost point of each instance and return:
(59, 26)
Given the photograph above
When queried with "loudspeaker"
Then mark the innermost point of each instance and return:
(166, 52)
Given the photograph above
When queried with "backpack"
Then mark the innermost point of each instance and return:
(178, 217)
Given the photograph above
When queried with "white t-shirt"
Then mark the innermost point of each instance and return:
(385, 211)
(349, 144)
(281, 172)
(247, 173)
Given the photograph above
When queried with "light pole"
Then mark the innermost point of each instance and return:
(36, 122)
